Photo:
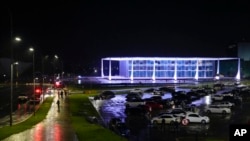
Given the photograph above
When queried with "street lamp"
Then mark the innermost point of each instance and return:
(33, 73)
(12, 63)
(60, 63)
(43, 72)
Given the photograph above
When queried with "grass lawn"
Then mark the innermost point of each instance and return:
(33, 120)
(80, 108)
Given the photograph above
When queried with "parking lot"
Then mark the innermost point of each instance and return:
(141, 127)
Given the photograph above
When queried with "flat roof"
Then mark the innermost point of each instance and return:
(168, 58)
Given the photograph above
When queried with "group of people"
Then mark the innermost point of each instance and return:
(61, 94)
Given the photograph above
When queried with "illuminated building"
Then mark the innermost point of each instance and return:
(158, 68)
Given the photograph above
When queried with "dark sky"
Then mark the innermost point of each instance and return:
(83, 32)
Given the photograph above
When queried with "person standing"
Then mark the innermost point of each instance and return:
(163, 124)
(58, 104)
(61, 93)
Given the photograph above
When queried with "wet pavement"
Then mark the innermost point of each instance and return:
(56, 126)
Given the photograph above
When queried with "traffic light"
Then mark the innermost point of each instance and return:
(38, 90)
(59, 84)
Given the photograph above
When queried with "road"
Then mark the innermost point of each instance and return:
(56, 126)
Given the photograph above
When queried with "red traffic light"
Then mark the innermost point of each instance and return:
(38, 91)
(57, 83)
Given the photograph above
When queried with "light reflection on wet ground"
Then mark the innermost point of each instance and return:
(115, 108)
(56, 126)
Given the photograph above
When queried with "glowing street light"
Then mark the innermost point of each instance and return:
(31, 49)
(18, 39)
(11, 78)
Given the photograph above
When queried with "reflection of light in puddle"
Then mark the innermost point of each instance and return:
(98, 103)
(205, 100)
(194, 128)
(148, 95)
(114, 107)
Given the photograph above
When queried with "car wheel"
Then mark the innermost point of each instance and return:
(203, 122)
(224, 112)
(208, 111)
(155, 122)
(172, 122)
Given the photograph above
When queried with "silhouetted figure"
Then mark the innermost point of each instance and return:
(58, 93)
(61, 94)
(58, 104)
(163, 124)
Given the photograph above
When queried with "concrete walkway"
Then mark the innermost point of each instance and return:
(56, 126)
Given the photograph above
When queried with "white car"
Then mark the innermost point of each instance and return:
(217, 97)
(179, 112)
(217, 109)
(158, 92)
(169, 119)
(139, 91)
(224, 104)
(196, 118)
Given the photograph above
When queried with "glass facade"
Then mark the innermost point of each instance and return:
(166, 68)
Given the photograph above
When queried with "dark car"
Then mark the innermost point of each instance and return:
(167, 89)
(154, 105)
(135, 111)
(122, 129)
(218, 86)
(132, 95)
(22, 99)
(150, 90)
(107, 95)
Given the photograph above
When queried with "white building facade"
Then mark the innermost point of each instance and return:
(158, 68)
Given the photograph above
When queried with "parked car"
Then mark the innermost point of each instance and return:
(217, 109)
(202, 92)
(122, 129)
(150, 90)
(218, 86)
(217, 97)
(154, 105)
(139, 91)
(167, 89)
(133, 96)
(196, 118)
(22, 99)
(107, 94)
(210, 90)
(169, 119)
(135, 111)
(179, 112)
(134, 102)
(158, 92)
(224, 104)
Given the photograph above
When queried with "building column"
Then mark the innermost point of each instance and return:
(153, 75)
(102, 74)
(110, 69)
(237, 77)
(175, 70)
(218, 67)
(132, 70)
(196, 77)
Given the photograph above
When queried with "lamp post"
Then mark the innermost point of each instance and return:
(17, 39)
(60, 68)
(31, 49)
(43, 72)
(12, 63)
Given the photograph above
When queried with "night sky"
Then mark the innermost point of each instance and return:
(81, 33)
